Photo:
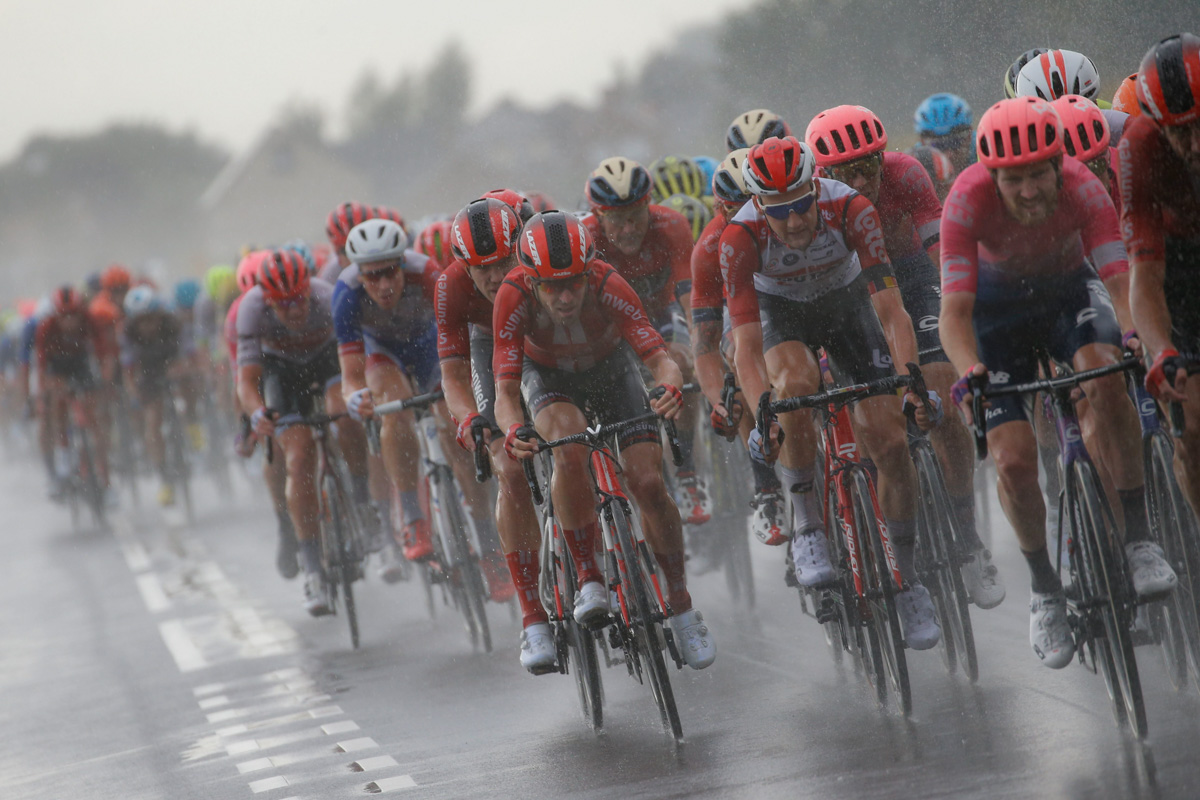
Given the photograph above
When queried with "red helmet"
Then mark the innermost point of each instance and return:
(282, 274)
(1168, 84)
(434, 242)
(1125, 98)
(342, 219)
(555, 245)
(115, 276)
(484, 232)
(1085, 130)
(1019, 131)
(518, 202)
(778, 166)
(383, 212)
(845, 133)
(540, 202)
(247, 269)
(66, 299)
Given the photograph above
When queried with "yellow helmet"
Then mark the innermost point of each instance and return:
(694, 210)
(676, 175)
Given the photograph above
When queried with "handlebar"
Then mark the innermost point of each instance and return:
(416, 401)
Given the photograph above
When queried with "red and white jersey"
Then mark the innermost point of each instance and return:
(979, 235)
(660, 271)
(611, 313)
(457, 305)
(1161, 196)
(847, 242)
(708, 287)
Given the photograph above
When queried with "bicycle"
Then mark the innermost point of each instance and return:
(343, 537)
(1101, 604)
(637, 626)
(859, 605)
(82, 486)
(455, 561)
(177, 471)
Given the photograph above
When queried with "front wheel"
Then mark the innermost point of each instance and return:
(341, 566)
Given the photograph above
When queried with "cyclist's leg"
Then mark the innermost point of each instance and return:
(400, 450)
(1180, 289)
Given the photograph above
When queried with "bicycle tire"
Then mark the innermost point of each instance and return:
(1109, 577)
(867, 650)
(445, 549)
(93, 492)
(645, 625)
(341, 567)
(884, 619)
(936, 531)
(581, 642)
(177, 466)
(730, 499)
(1171, 519)
(468, 567)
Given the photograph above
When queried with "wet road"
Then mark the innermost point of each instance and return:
(162, 660)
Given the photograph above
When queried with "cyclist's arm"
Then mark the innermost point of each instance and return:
(347, 325)
(509, 324)
(664, 369)
(354, 371)
(248, 378)
(456, 383)
(958, 330)
(897, 327)
(707, 298)
(706, 352)
(739, 261)
(1102, 238)
(679, 235)
(1148, 304)
(1118, 290)
(751, 366)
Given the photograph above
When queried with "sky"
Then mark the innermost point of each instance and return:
(225, 68)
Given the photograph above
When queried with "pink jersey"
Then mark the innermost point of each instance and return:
(231, 327)
(908, 207)
(980, 236)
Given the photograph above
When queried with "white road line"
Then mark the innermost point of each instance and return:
(254, 766)
(187, 656)
(325, 711)
(390, 784)
(270, 742)
(227, 714)
(368, 764)
(334, 728)
(267, 784)
(152, 592)
(212, 702)
(353, 745)
(242, 748)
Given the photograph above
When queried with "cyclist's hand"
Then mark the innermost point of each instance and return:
(466, 431)
(925, 421)
(1131, 343)
(725, 422)
(361, 405)
(519, 442)
(960, 392)
(666, 401)
(263, 422)
(765, 452)
(1167, 377)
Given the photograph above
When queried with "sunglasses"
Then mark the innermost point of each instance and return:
(867, 167)
(573, 284)
(798, 206)
(378, 274)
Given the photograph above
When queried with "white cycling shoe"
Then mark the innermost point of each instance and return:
(1050, 630)
(982, 580)
(768, 524)
(1148, 568)
(695, 504)
(316, 596)
(810, 555)
(914, 606)
(693, 639)
(537, 649)
(591, 604)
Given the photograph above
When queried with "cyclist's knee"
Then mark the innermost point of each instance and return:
(1108, 395)
(397, 424)
(1016, 464)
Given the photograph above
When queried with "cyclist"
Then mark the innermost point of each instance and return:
(565, 325)
(387, 345)
(754, 127)
(651, 247)
(337, 228)
(805, 267)
(434, 243)
(1010, 77)
(189, 378)
(708, 168)
(713, 351)
(69, 336)
(1086, 138)
(484, 240)
(1160, 184)
(675, 175)
(943, 121)
(937, 165)
(220, 290)
(151, 345)
(1125, 98)
(539, 201)
(1059, 73)
(287, 357)
(850, 144)
(1016, 235)
(693, 210)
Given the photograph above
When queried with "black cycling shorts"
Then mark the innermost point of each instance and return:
(76, 372)
(609, 392)
(843, 322)
(1182, 288)
(1060, 314)
(921, 290)
(292, 389)
(483, 380)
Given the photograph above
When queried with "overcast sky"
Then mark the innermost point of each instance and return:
(225, 68)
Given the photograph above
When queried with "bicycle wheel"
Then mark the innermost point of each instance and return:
(1172, 521)
(341, 566)
(177, 464)
(884, 621)
(731, 496)
(645, 620)
(1107, 577)
(449, 554)
(466, 562)
(861, 637)
(581, 642)
(938, 562)
(93, 492)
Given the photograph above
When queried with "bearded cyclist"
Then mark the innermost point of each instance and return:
(805, 267)
(850, 146)
(565, 326)
(1024, 234)
(1160, 184)
(651, 247)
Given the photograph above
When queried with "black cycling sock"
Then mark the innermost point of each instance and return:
(360, 487)
(489, 539)
(1043, 578)
(1133, 505)
(310, 556)
(410, 507)
(963, 509)
(903, 536)
(687, 448)
(765, 479)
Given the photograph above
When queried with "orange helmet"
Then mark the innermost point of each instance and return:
(282, 274)
(485, 231)
(1023, 130)
(555, 245)
(1126, 97)
(434, 242)
(247, 270)
(1085, 130)
(115, 276)
(845, 133)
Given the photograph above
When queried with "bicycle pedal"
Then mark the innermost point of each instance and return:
(826, 610)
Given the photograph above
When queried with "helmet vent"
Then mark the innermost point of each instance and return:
(558, 241)
(1172, 75)
(480, 218)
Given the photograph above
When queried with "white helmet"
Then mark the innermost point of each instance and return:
(141, 300)
(755, 127)
(376, 240)
(1057, 73)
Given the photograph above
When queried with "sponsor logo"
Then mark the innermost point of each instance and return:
(992, 413)
(791, 259)
(867, 223)
(1086, 315)
(462, 245)
(533, 251)
(1147, 408)
(848, 449)
(726, 255)
(929, 323)
(999, 377)
(1071, 433)
(881, 360)
(958, 210)
(506, 220)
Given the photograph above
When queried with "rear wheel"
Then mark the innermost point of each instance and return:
(342, 567)
(581, 642)
(455, 558)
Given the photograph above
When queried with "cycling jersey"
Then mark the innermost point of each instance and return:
(1161, 196)
(260, 332)
(230, 328)
(362, 324)
(457, 306)
(848, 242)
(908, 206)
(660, 272)
(982, 244)
(150, 342)
(64, 345)
(611, 313)
(708, 289)
(330, 272)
